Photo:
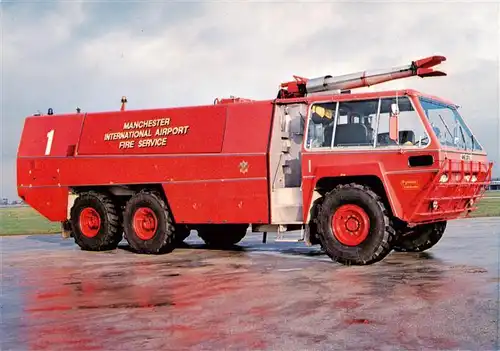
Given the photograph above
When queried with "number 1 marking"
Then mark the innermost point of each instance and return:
(50, 138)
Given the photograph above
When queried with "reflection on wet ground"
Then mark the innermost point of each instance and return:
(258, 297)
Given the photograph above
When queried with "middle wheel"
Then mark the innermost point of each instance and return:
(148, 224)
(222, 235)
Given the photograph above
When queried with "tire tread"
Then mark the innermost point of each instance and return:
(113, 237)
(384, 247)
(169, 241)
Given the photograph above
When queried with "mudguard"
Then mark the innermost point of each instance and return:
(375, 169)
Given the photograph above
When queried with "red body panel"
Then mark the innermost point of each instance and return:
(177, 131)
(244, 201)
(32, 169)
(217, 171)
(387, 165)
(51, 201)
(453, 196)
(34, 138)
(248, 128)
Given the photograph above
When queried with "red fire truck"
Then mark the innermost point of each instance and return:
(360, 174)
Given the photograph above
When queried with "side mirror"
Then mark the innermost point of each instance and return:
(395, 109)
(394, 123)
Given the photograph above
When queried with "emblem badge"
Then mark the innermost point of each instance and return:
(243, 167)
(410, 184)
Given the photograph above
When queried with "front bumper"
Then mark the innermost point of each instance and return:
(453, 192)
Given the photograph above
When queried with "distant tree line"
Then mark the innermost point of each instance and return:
(5, 202)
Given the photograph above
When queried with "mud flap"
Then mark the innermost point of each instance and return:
(66, 231)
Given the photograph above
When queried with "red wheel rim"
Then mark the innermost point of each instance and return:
(145, 223)
(350, 225)
(90, 222)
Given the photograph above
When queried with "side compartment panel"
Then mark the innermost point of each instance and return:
(49, 135)
(185, 130)
(247, 128)
(232, 187)
(222, 201)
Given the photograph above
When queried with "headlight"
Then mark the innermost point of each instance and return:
(473, 179)
(467, 178)
(444, 178)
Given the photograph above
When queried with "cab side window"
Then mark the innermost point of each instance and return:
(364, 124)
(411, 128)
(321, 121)
(354, 127)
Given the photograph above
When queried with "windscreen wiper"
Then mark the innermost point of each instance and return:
(446, 126)
(463, 137)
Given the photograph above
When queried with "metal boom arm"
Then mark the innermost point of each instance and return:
(302, 86)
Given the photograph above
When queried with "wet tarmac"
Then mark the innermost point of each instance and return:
(274, 296)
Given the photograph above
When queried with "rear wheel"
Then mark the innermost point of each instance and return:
(222, 235)
(96, 222)
(354, 226)
(420, 238)
(148, 224)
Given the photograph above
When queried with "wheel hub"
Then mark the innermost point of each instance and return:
(350, 225)
(145, 223)
(90, 222)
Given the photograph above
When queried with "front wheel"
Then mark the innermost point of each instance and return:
(420, 238)
(354, 226)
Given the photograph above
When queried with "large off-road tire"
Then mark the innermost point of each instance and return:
(222, 235)
(96, 222)
(313, 235)
(354, 226)
(148, 224)
(420, 238)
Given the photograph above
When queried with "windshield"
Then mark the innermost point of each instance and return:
(448, 125)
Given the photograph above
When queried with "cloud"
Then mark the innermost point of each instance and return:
(64, 54)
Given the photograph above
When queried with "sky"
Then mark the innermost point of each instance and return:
(64, 54)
